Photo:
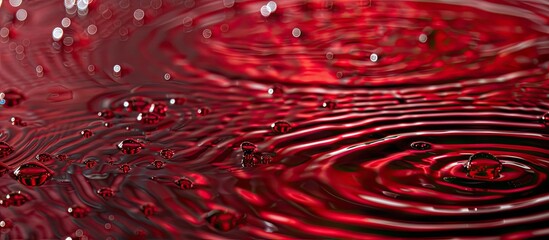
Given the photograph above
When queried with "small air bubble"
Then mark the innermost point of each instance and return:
(329, 55)
(167, 76)
(92, 29)
(373, 57)
(57, 33)
(422, 38)
(116, 69)
(4, 32)
(66, 22)
(15, 3)
(207, 33)
(296, 32)
(138, 14)
(21, 15)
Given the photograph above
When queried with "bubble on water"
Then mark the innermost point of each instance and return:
(167, 153)
(106, 114)
(167, 76)
(90, 163)
(148, 118)
(138, 14)
(15, 3)
(329, 104)
(91, 29)
(57, 34)
(77, 211)
(148, 209)
(105, 192)
(420, 145)
(223, 221)
(281, 127)
(374, 57)
(157, 164)
(62, 157)
(329, 55)
(125, 168)
(178, 101)
(422, 38)
(44, 157)
(296, 32)
(117, 70)
(32, 174)
(207, 33)
(184, 183)
(3, 169)
(130, 146)
(86, 133)
(66, 22)
(5, 149)
(15, 199)
(137, 104)
(276, 90)
(21, 15)
(107, 124)
(248, 147)
(203, 111)
(158, 108)
(483, 165)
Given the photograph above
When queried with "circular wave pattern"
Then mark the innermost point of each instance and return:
(238, 119)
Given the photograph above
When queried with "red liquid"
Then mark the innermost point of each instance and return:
(181, 119)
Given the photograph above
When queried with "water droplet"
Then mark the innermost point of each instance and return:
(157, 164)
(178, 101)
(44, 157)
(281, 127)
(148, 118)
(148, 209)
(267, 157)
(203, 111)
(374, 57)
(62, 157)
(249, 160)
(422, 38)
(483, 165)
(57, 34)
(21, 15)
(13, 97)
(247, 147)
(420, 145)
(136, 104)
(15, 199)
(107, 124)
(78, 211)
(32, 174)
(5, 149)
(105, 192)
(86, 133)
(17, 121)
(184, 183)
(545, 119)
(223, 221)
(296, 32)
(90, 163)
(130, 146)
(139, 14)
(329, 104)
(125, 168)
(106, 114)
(167, 76)
(167, 153)
(66, 22)
(6, 224)
(158, 108)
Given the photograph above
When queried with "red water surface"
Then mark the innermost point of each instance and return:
(192, 119)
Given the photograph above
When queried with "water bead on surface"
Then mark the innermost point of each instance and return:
(281, 127)
(329, 104)
(545, 119)
(136, 104)
(77, 211)
(130, 146)
(148, 209)
(32, 174)
(158, 108)
(90, 163)
(17, 121)
(86, 133)
(483, 165)
(157, 164)
(276, 90)
(124, 168)
(247, 147)
(420, 145)
(167, 153)
(13, 97)
(5, 149)
(15, 199)
(184, 183)
(105, 192)
(106, 114)
(203, 111)
(148, 118)
(44, 157)
(223, 221)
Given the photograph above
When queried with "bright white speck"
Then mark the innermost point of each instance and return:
(66, 22)
(207, 33)
(296, 32)
(82, 5)
(21, 14)
(15, 3)
(138, 14)
(373, 57)
(167, 76)
(92, 29)
(117, 68)
(57, 33)
(422, 38)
